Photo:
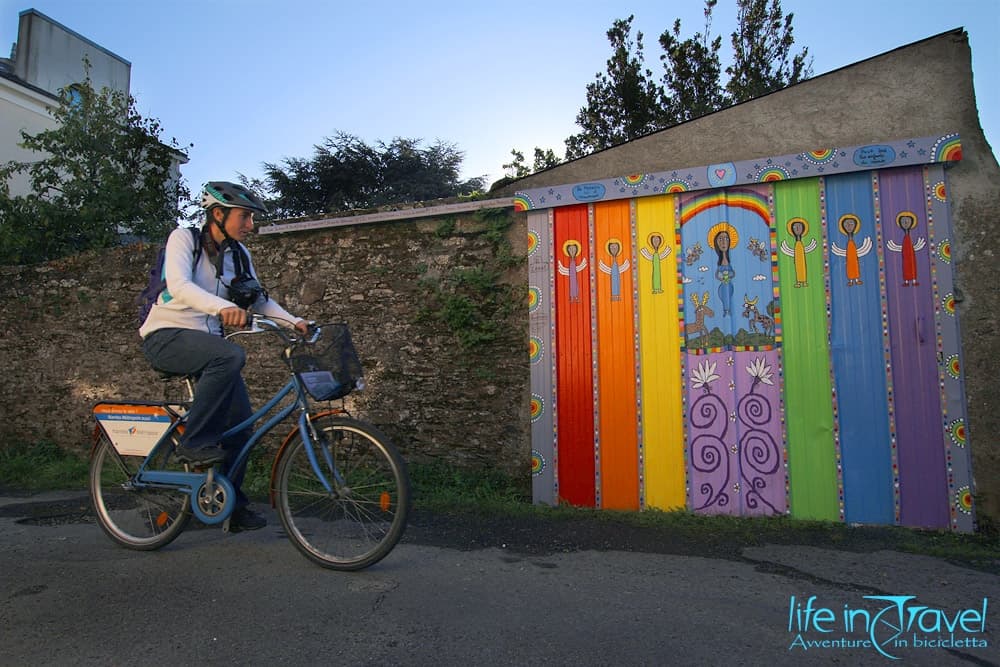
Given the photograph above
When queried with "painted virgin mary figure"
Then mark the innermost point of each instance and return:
(722, 237)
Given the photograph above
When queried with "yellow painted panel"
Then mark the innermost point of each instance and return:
(662, 416)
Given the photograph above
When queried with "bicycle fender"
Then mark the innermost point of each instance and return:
(95, 438)
(284, 444)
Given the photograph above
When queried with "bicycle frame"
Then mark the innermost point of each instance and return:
(342, 493)
(147, 475)
(195, 482)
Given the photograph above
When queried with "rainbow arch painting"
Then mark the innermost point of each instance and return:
(702, 348)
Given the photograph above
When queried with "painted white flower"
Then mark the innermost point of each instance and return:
(703, 375)
(760, 371)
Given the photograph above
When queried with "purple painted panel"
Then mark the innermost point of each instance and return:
(763, 487)
(915, 399)
(736, 449)
(712, 437)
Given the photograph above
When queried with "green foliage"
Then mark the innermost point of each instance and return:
(544, 159)
(257, 479)
(442, 487)
(41, 465)
(691, 71)
(474, 302)
(624, 102)
(445, 228)
(102, 170)
(345, 173)
(762, 58)
(627, 101)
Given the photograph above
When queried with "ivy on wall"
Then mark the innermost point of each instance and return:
(473, 299)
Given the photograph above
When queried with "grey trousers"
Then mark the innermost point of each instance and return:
(220, 395)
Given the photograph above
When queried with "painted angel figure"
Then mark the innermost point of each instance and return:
(850, 225)
(907, 221)
(656, 256)
(614, 248)
(572, 250)
(798, 227)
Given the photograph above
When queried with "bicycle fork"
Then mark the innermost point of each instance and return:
(313, 441)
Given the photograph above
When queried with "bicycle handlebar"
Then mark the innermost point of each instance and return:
(260, 324)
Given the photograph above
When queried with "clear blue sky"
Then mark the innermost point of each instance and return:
(254, 81)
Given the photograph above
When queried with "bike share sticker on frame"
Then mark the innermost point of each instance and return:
(133, 429)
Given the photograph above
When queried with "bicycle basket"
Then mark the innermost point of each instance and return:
(330, 368)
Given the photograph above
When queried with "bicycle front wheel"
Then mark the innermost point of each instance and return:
(357, 523)
(137, 518)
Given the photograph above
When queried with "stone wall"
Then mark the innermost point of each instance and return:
(447, 378)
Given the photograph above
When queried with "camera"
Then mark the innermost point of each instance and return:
(244, 291)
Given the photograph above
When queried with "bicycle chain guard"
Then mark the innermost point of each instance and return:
(213, 500)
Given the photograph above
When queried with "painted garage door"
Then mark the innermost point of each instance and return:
(767, 337)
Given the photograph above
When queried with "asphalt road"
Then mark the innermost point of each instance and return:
(68, 596)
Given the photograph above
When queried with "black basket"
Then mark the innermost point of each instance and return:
(330, 368)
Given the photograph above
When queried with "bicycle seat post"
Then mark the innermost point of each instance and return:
(166, 377)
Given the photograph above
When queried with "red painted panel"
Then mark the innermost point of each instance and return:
(575, 395)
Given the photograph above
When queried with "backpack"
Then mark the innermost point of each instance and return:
(158, 281)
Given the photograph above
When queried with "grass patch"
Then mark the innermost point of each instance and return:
(442, 488)
(445, 489)
(42, 466)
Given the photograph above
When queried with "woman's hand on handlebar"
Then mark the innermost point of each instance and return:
(303, 326)
(233, 317)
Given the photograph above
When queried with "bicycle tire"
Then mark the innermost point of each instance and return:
(141, 519)
(361, 522)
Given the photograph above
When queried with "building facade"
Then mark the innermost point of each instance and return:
(757, 311)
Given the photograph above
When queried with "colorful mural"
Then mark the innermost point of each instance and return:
(774, 337)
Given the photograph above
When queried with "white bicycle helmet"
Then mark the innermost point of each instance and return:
(230, 195)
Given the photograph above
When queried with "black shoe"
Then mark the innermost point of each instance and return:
(244, 518)
(199, 456)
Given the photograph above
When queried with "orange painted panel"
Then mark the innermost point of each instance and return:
(618, 440)
(575, 393)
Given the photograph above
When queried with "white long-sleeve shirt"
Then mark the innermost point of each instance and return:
(193, 300)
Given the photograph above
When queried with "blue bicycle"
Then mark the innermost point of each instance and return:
(339, 486)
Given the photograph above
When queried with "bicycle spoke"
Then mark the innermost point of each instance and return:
(135, 517)
(360, 522)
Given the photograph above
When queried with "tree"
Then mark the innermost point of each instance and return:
(544, 159)
(624, 102)
(346, 173)
(692, 71)
(762, 44)
(103, 171)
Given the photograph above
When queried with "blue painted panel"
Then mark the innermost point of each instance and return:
(857, 351)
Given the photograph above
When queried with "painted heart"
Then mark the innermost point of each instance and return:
(719, 173)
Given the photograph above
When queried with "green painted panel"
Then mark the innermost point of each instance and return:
(812, 454)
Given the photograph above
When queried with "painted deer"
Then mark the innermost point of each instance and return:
(701, 311)
(754, 316)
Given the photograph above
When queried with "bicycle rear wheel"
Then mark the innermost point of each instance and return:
(137, 518)
(360, 522)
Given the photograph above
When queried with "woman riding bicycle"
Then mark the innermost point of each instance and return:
(182, 334)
